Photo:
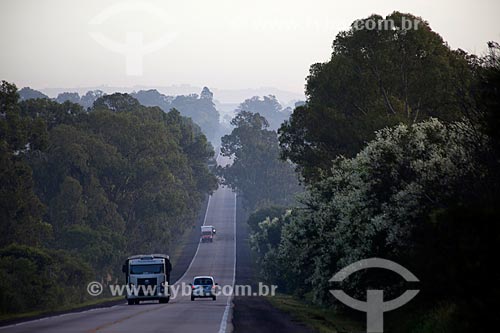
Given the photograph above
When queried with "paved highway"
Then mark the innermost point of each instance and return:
(181, 314)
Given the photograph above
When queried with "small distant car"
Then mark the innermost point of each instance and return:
(203, 287)
(207, 233)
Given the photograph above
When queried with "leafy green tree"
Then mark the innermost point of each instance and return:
(21, 211)
(28, 93)
(72, 97)
(260, 215)
(374, 79)
(265, 241)
(487, 98)
(68, 207)
(201, 109)
(87, 100)
(256, 170)
(51, 112)
(116, 179)
(116, 102)
(385, 202)
(49, 279)
(269, 107)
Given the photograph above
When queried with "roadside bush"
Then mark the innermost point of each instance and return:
(36, 279)
(382, 203)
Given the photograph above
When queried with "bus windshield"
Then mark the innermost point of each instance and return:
(146, 269)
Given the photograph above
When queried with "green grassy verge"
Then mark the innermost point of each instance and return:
(179, 246)
(13, 316)
(439, 318)
(182, 240)
(321, 319)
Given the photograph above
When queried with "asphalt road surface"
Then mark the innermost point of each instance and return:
(181, 314)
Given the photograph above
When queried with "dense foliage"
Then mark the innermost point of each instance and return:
(268, 107)
(81, 190)
(399, 146)
(200, 108)
(256, 171)
(28, 93)
(86, 100)
(375, 78)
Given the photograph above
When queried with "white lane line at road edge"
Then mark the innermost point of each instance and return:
(197, 248)
(223, 324)
(204, 221)
(56, 316)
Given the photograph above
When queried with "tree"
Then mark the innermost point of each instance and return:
(394, 200)
(50, 279)
(256, 170)
(51, 112)
(201, 109)
(72, 97)
(116, 102)
(84, 189)
(87, 100)
(375, 78)
(260, 215)
(21, 211)
(28, 93)
(269, 107)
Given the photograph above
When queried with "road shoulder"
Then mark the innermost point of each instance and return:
(253, 313)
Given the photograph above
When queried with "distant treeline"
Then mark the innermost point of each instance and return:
(257, 173)
(200, 108)
(82, 189)
(398, 148)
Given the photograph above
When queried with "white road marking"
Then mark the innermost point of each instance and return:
(223, 324)
(204, 221)
(196, 253)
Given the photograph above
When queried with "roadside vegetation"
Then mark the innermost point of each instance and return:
(322, 319)
(256, 172)
(268, 107)
(397, 147)
(82, 189)
(200, 108)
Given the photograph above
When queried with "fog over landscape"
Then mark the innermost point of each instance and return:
(234, 166)
(221, 44)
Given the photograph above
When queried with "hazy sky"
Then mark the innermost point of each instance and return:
(219, 43)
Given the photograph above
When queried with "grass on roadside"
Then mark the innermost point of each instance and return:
(13, 316)
(182, 240)
(179, 245)
(321, 319)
